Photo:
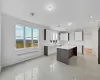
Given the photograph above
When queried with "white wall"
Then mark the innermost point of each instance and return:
(0, 35)
(90, 39)
(9, 53)
(95, 41)
(73, 42)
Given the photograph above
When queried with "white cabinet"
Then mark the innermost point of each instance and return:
(50, 36)
(64, 36)
(80, 49)
(52, 50)
(56, 36)
(79, 36)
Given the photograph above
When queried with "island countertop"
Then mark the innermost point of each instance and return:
(52, 45)
(67, 47)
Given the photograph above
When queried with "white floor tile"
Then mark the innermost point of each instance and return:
(48, 68)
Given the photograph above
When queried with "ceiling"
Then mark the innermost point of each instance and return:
(76, 11)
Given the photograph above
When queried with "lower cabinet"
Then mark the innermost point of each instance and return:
(48, 50)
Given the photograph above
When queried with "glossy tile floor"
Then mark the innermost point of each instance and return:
(47, 68)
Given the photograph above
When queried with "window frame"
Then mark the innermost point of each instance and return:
(38, 37)
(25, 37)
(15, 37)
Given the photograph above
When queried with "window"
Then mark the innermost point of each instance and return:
(56, 36)
(35, 37)
(53, 36)
(28, 37)
(19, 36)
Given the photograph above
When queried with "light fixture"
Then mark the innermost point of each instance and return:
(32, 14)
(90, 22)
(98, 21)
(69, 23)
(91, 17)
(58, 26)
(50, 7)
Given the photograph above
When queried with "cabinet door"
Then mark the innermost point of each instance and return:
(80, 49)
(48, 36)
(64, 56)
(66, 36)
(62, 36)
(51, 36)
(58, 54)
(99, 46)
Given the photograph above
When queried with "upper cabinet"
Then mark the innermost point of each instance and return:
(50, 36)
(79, 35)
(47, 34)
(64, 36)
(44, 34)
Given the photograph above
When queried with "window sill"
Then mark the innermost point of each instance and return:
(26, 48)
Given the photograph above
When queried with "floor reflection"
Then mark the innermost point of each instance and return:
(28, 75)
(52, 66)
(48, 68)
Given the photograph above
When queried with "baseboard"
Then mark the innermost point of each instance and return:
(19, 61)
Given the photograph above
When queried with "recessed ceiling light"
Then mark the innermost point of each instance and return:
(69, 23)
(50, 7)
(32, 14)
(91, 17)
(98, 21)
(58, 26)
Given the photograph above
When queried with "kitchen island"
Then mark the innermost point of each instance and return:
(64, 53)
(50, 49)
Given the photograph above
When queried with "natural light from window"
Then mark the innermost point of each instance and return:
(26, 37)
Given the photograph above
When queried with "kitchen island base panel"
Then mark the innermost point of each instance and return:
(63, 55)
(46, 50)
